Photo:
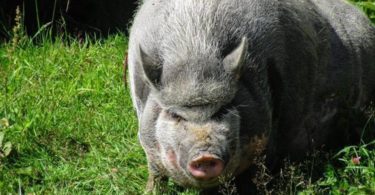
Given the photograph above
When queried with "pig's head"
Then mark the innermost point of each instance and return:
(198, 128)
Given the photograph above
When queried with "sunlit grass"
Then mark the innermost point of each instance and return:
(71, 121)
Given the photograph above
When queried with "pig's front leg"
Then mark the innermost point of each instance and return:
(156, 184)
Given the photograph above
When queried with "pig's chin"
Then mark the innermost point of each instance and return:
(190, 181)
(203, 184)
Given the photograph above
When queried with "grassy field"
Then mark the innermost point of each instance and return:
(67, 126)
(69, 119)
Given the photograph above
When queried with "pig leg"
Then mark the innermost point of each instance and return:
(156, 184)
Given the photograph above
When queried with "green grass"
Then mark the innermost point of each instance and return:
(71, 122)
(367, 6)
(355, 173)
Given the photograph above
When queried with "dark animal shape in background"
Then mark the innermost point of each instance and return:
(218, 83)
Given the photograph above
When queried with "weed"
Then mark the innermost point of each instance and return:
(263, 176)
(18, 32)
(227, 185)
(5, 148)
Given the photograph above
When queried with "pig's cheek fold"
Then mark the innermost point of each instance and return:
(171, 157)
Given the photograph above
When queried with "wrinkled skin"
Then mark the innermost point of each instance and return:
(178, 140)
(217, 83)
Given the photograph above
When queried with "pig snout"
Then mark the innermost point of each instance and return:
(206, 167)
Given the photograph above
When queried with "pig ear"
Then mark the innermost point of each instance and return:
(234, 61)
(151, 71)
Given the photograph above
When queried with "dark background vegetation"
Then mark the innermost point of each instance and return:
(86, 17)
(95, 17)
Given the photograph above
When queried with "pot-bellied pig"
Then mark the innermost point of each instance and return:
(216, 83)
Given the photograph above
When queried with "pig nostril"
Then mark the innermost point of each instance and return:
(206, 167)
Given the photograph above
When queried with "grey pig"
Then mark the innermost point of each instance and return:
(216, 83)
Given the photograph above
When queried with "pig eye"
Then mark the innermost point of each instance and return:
(175, 116)
(223, 110)
(196, 106)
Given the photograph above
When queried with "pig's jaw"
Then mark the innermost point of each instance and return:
(182, 176)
